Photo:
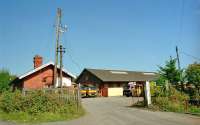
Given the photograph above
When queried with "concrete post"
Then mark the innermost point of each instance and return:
(147, 93)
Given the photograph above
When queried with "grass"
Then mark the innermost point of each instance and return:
(23, 117)
(168, 106)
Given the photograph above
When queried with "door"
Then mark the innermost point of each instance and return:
(105, 92)
(117, 91)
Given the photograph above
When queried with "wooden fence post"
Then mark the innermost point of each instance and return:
(23, 91)
(186, 105)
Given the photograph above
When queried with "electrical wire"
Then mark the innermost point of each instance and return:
(70, 55)
(181, 30)
(189, 55)
(73, 61)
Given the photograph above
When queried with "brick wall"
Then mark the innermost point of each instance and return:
(40, 79)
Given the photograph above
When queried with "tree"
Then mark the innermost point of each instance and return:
(193, 75)
(160, 80)
(5, 79)
(170, 72)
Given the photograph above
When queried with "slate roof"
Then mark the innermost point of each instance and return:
(123, 76)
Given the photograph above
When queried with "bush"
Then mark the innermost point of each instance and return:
(194, 109)
(172, 100)
(5, 79)
(35, 103)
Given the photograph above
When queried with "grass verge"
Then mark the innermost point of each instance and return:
(170, 106)
(24, 117)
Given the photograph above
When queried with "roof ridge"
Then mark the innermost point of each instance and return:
(120, 70)
(43, 66)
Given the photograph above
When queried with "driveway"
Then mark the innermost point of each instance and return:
(115, 111)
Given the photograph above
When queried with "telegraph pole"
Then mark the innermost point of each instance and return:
(58, 23)
(61, 50)
(179, 67)
(178, 60)
(59, 30)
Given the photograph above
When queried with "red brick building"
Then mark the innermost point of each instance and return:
(42, 76)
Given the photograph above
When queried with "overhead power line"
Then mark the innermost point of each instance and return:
(189, 55)
(71, 57)
(73, 61)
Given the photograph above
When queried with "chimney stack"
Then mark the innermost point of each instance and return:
(37, 60)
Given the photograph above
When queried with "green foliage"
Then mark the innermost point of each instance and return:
(157, 91)
(169, 72)
(194, 109)
(161, 80)
(37, 103)
(167, 104)
(153, 88)
(24, 117)
(193, 75)
(174, 102)
(5, 79)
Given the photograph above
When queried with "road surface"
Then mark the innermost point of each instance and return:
(115, 111)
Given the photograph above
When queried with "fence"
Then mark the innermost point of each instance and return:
(69, 94)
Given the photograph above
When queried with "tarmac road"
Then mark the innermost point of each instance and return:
(115, 111)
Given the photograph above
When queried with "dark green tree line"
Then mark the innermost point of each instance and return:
(5, 79)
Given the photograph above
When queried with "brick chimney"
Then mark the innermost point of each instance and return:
(37, 60)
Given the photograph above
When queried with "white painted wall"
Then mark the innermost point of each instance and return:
(66, 81)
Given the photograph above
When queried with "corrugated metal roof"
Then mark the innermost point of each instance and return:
(119, 75)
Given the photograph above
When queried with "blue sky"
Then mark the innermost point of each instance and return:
(110, 34)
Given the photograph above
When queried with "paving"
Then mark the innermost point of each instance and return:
(116, 111)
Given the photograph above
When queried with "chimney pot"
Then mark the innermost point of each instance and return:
(37, 60)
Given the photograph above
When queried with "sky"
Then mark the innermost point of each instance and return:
(134, 35)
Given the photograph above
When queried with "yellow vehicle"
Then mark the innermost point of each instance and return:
(88, 91)
(83, 91)
(91, 91)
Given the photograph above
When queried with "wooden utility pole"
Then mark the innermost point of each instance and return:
(61, 50)
(178, 60)
(179, 67)
(58, 23)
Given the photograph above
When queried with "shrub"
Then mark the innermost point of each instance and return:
(5, 79)
(35, 103)
(173, 100)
